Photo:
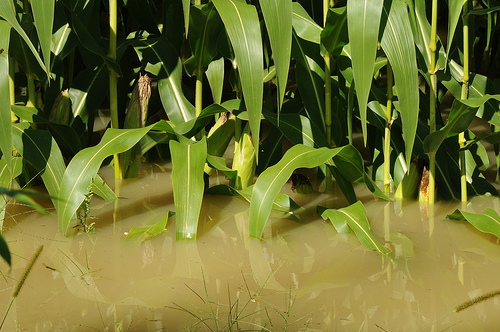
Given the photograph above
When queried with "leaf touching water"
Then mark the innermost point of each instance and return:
(141, 234)
(355, 216)
(486, 222)
(272, 179)
(188, 162)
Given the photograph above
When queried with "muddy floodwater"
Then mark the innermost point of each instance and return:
(301, 276)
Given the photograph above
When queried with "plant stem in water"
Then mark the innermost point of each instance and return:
(464, 95)
(432, 110)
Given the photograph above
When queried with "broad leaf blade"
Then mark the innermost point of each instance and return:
(363, 19)
(43, 13)
(141, 234)
(278, 19)
(8, 14)
(84, 166)
(355, 216)
(272, 179)
(397, 42)
(188, 162)
(243, 27)
(486, 222)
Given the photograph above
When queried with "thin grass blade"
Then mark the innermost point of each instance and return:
(43, 14)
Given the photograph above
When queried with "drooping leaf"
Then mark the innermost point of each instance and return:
(5, 116)
(363, 19)
(334, 35)
(243, 28)
(215, 76)
(461, 116)
(8, 14)
(272, 179)
(278, 19)
(454, 11)
(25, 197)
(397, 43)
(141, 234)
(84, 166)
(188, 162)
(40, 149)
(487, 222)
(43, 14)
(355, 216)
(4, 250)
(303, 25)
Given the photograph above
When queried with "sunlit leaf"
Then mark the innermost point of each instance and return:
(243, 28)
(397, 43)
(43, 14)
(363, 19)
(141, 234)
(303, 25)
(487, 222)
(188, 162)
(355, 216)
(278, 19)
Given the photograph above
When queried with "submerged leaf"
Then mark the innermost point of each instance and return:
(486, 222)
(141, 234)
(355, 216)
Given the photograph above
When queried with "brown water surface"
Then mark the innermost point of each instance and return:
(301, 276)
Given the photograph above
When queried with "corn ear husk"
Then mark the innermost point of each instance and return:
(409, 185)
(61, 109)
(244, 159)
(219, 137)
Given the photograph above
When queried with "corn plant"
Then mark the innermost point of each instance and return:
(257, 73)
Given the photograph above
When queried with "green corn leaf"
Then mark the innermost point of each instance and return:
(244, 159)
(215, 76)
(310, 79)
(408, 187)
(186, 6)
(334, 35)
(8, 14)
(141, 234)
(363, 19)
(160, 58)
(5, 115)
(355, 216)
(25, 197)
(43, 14)
(205, 28)
(188, 162)
(41, 150)
(272, 179)
(397, 43)
(487, 222)
(454, 11)
(303, 25)
(461, 116)
(84, 166)
(243, 28)
(101, 189)
(278, 19)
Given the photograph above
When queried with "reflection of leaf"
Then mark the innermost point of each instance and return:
(355, 216)
(486, 222)
(141, 234)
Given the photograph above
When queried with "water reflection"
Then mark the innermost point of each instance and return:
(303, 276)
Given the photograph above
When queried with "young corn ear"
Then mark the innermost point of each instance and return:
(136, 116)
(408, 187)
(219, 137)
(244, 159)
(61, 109)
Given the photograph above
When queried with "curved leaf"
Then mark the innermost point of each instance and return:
(43, 14)
(486, 222)
(243, 27)
(141, 234)
(188, 162)
(8, 14)
(84, 166)
(272, 179)
(303, 25)
(355, 216)
(278, 19)
(363, 20)
(397, 43)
